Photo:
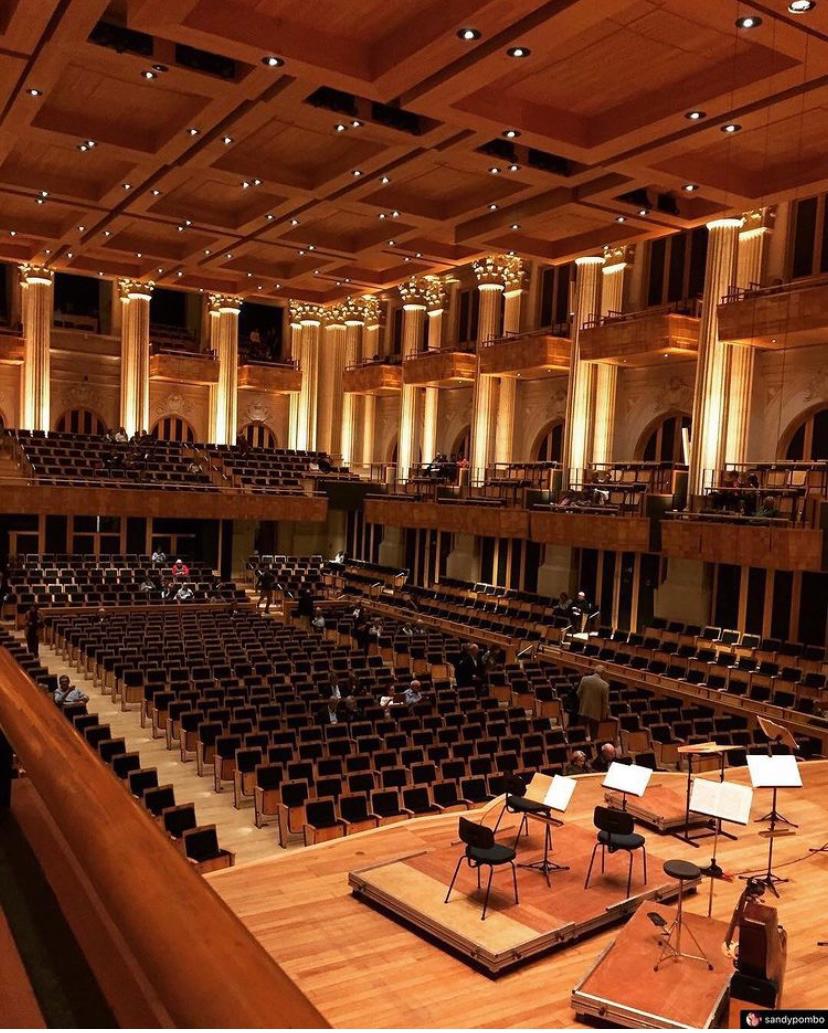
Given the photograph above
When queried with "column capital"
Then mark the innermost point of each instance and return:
(36, 274)
(758, 221)
(221, 303)
(589, 260)
(435, 294)
(306, 312)
(131, 290)
(730, 223)
(413, 292)
(334, 315)
(354, 311)
(371, 309)
(504, 272)
(618, 256)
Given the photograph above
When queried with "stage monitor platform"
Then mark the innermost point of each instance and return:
(622, 989)
(413, 888)
(660, 807)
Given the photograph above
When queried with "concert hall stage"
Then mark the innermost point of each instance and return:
(413, 889)
(662, 807)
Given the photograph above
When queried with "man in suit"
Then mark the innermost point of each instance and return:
(593, 700)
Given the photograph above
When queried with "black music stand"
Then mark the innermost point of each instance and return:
(557, 792)
(780, 736)
(684, 835)
(773, 772)
(722, 801)
(627, 778)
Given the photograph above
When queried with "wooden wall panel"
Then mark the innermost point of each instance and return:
(375, 379)
(468, 518)
(780, 548)
(184, 369)
(795, 316)
(274, 379)
(592, 531)
(530, 352)
(439, 368)
(641, 339)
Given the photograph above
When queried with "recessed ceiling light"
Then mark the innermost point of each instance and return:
(245, 184)
(48, 251)
(620, 218)
(180, 228)
(419, 254)
(149, 74)
(643, 211)
(301, 252)
(382, 215)
(179, 273)
(192, 131)
(731, 127)
(355, 123)
(511, 134)
(294, 222)
(278, 286)
(795, 7)
(513, 167)
(356, 172)
(311, 247)
(257, 182)
(316, 272)
(385, 180)
(515, 226)
(518, 51)
(87, 145)
(270, 216)
(340, 127)
(160, 270)
(127, 186)
(694, 116)
(406, 259)
(249, 275)
(100, 274)
(468, 34)
(139, 254)
(227, 140)
(395, 214)
(690, 187)
(40, 200)
(188, 222)
(206, 251)
(34, 92)
(107, 233)
(229, 254)
(495, 171)
(160, 68)
(259, 287)
(392, 243)
(492, 207)
(748, 21)
(272, 62)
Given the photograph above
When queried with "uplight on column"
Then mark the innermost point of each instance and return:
(36, 286)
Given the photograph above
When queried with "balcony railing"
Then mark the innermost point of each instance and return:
(682, 307)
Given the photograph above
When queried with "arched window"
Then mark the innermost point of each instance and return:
(548, 447)
(661, 442)
(258, 435)
(173, 428)
(80, 421)
(809, 439)
(462, 444)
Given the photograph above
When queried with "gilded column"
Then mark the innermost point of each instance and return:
(135, 348)
(580, 394)
(354, 322)
(414, 314)
(296, 355)
(741, 358)
(616, 261)
(224, 312)
(513, 276)
(329, 394)
(490, 273)
(435, 296)
(370, 347)
(36, 303)
(710, 392)
(309, 317)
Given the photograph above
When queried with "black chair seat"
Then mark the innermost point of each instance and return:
(682, 870)
(496, 854)
(620, 841)
(520, 803)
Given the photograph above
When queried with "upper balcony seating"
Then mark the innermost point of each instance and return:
(269, 469)
(292, 573)
(784, 491)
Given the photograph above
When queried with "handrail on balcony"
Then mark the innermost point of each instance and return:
(682, 307)
(377, 360)
(160, 348)
(463, 347)
(755, 290)
(286, 363)
(562, 330)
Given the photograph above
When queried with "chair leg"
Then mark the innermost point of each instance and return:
(488, 890)
(514, 880)
(453, 878)
(499, 819)
(629, 872)
(478, 875)
(589, 870)
(603, 858)
(644, 855)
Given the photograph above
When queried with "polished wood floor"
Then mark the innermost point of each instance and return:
(363, 969)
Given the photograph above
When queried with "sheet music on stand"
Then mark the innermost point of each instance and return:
(627, 778)
(725, 800)
(560, 792)
(779, 771)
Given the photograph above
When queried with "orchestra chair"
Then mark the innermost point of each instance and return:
(321, 822)
(616, 832)
(481, 850)
(516, 802)
(266, 792)
(354, 812)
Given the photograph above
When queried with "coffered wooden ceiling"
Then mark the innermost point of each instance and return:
(270, 198)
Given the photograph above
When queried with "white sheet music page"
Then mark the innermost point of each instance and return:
(778, 772)
(627, 778)
(560, 792)
(725, 800)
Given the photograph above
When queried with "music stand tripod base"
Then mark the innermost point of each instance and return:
(544, 864)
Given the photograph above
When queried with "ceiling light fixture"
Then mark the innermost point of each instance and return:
(395, 214)
(795, 7)
(468, 34)
(87, 145)
(356, 124)
(392, 243)
(620, 218)
(385, 180)
(81, 229)
(270, 216)
(34, 92)
(227, 140)
(272, 62)
(494, 170)
(192, 131)
(418, 254)
(356, 172)
(107, 233)
(690, 187)
(160, 68)
(127, 186)
(382, 215)
(695, 115)
(643, 211)
(155, 192)
(149, 74)
(518, 51)
(513, 167)
(206, 251)
(229, 254)
(179, 273)
(748, 21)
(515, 226)
(294, 222)
(340, 127)
(40, 200)
(511, 134)
(492, 207)
(731, 127)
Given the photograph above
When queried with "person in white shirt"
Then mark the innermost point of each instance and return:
(413, 694)
(67, 693)
(184, 594)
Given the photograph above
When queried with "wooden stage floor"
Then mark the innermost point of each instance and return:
(547, 917)
(361, 968)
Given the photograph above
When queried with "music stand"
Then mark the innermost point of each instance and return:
(554, 793)
(722, 801)
(781, 736)
(627, 778)
(775, 772)
(702, 749)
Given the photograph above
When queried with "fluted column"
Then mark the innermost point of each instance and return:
(581, 387)
(296, 355)
(615, 265)
(36, 304)
(414, 314)
(354, 322)
(710, 393)
(308, 317)
(435, 306)
(331, 367)
(224, 342)
(370, 347)
(741, 358)
(507, 395)
(135, 346)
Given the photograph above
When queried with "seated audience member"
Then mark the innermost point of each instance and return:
(318, 621)
(333, 689)
(578, 764)
(768, 508)
(330, 713)
(413, 694)
(121, 436)
(67, 693)
(147, 585)
(179, 569)
(562, 606)
(606, 755)
(159, 556)
(185, 594)
(352, 709)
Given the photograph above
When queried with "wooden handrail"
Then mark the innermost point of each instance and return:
(205, 966)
